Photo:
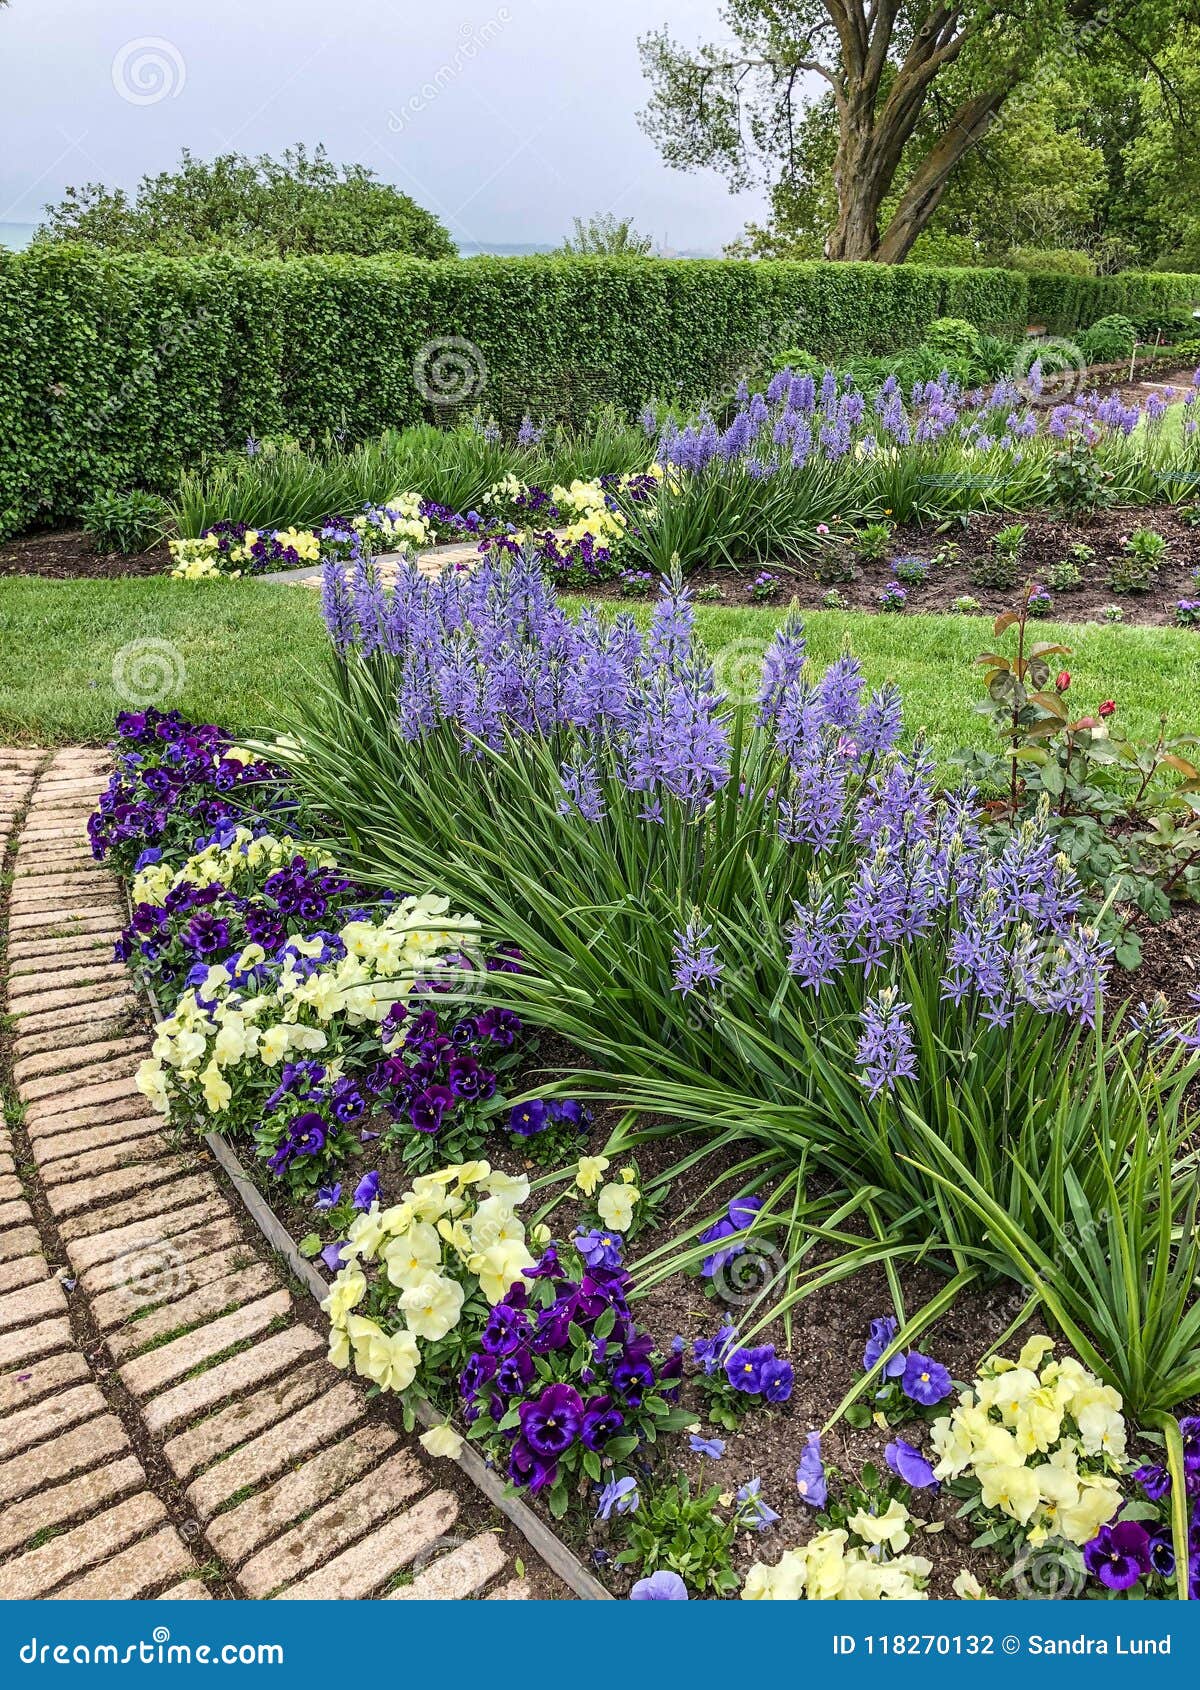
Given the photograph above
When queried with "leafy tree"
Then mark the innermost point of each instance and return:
(606, 237)
(911, 89)
(299, 204)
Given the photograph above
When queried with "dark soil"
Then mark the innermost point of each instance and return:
(1170, 963)
(69, 556)
(1048, 540)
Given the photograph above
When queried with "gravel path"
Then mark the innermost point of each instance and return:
(169, 1426)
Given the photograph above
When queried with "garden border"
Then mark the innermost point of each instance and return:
(557, 1556)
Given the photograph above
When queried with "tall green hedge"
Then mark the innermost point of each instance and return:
(116, 372)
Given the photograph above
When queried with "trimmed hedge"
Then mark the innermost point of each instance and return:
(116, 372)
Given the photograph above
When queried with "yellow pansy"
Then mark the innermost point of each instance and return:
(217, 1090)
(1009, 1486)
(589, 1173)
(968, 1588)
(615, 1206)
(499, 1268)
(432, 1306)
(151, 1081)
(442, 1440)
(890, 1528)
(409, 1256)
(346, 1293)
(825, 1566)
(388, 1359)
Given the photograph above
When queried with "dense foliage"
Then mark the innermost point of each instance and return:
(120, 372)
(292, 207)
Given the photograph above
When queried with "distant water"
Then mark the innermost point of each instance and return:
(16, 235)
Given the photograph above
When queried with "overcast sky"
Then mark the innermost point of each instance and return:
(506, 117)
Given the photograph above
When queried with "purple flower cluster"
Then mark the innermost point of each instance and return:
(170, 778)
(429, 1073)
(267, 553)
(534, 1334)
(921, 1379)
(800, 419)
(307, 1122)
(740, 1214)
(753, 1370)
(1125, 1551)
(490, 654)
(539, 1114)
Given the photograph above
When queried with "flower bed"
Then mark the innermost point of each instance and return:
(789, 935)
(577, 530)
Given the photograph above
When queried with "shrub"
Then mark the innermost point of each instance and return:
(1064, 575)
(953, 337)
(998, 566)
(873, 540)
(1051, 261)
(1108, 340)
(124, 522)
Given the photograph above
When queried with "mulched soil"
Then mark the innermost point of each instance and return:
(1048, 540)
(69, 556)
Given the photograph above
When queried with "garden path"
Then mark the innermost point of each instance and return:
(169, 1426)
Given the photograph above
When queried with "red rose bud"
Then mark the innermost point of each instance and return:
(1063, 680)
(1108, 708)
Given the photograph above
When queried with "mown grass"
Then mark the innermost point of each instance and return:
(243, 647)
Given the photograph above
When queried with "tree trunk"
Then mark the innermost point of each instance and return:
(923, 195)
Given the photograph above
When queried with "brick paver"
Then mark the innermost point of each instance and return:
(284, 1472)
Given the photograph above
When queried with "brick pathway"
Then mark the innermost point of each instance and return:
(168, 1423)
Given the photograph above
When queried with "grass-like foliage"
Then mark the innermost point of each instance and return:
(765, 925)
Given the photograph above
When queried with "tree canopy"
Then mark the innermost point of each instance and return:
(873, 122)
(294, 206)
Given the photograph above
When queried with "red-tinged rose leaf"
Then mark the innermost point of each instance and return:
(1050, 701)
(1044, 648)
(1006, 620)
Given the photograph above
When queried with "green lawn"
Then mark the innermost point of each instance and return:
(241, 647)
